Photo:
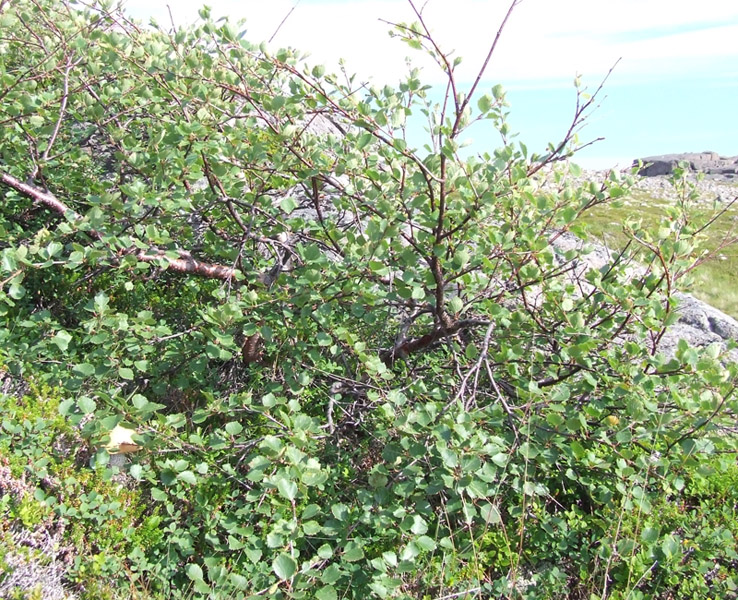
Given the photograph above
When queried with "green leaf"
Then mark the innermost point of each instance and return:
(274, 540)
(455, 304)
(331, 574)
(125, 373)
(313, 477)
(325, 551)
(84, 369)
(233, 428)
(8, 262)
(353, 552)
(311, 527)
(16, 291)
(500, 459)
(239, 581)
(284, 566)
(419, 525)
(194, 572)
(187, 477)
(288, 204)
(340, 511)
(670, 547)
(426, 543)
(158, 494)
(287, 489)
(62, 339)
(650, 534)
(277, 102)
(410, 551)
(364, 140)
(86, 404)
(139, 401)
(484, 104)
(461, 258)
(201, 586)
(490, 513)
(327, 592)
(53, 249)
(65, 407)
(323, 339)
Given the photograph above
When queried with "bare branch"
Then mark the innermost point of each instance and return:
(579, 116)
(63, 108)
(283, 21)
(484, 66)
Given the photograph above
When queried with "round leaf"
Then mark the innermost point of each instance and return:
(194, 572)
(284, 566)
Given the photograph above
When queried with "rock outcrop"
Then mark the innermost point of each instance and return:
(709, 163)
(700, 325)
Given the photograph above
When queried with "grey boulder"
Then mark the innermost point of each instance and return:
(709, 163)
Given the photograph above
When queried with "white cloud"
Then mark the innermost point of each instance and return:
(544, 39)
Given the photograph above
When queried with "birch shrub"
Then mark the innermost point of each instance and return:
(356, 367)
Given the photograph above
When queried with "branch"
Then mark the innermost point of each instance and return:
(46, 198)
(408, 347)
(282, 22)
(474, 86)
(579, 118)
(184, 264)
(187, 264)
(62, 108)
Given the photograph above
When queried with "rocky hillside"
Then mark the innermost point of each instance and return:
(700, 324)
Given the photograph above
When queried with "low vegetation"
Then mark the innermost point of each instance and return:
(713, 280)
(355, 368)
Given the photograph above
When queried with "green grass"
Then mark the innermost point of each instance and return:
(715, 281)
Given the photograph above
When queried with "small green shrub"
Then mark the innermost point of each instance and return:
(356, 368)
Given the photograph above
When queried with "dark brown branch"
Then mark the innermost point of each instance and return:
(405, 348)
(480, 74)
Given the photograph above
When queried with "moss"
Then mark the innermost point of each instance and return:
(102, 519)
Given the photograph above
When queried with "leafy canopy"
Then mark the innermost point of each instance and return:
(357, 368)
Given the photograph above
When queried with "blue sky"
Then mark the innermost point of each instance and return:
(675, 88)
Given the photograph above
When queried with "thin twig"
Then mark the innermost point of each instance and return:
(469, 95)
(171, 19)
(477, 366)
(287, 16)
(62, 108)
